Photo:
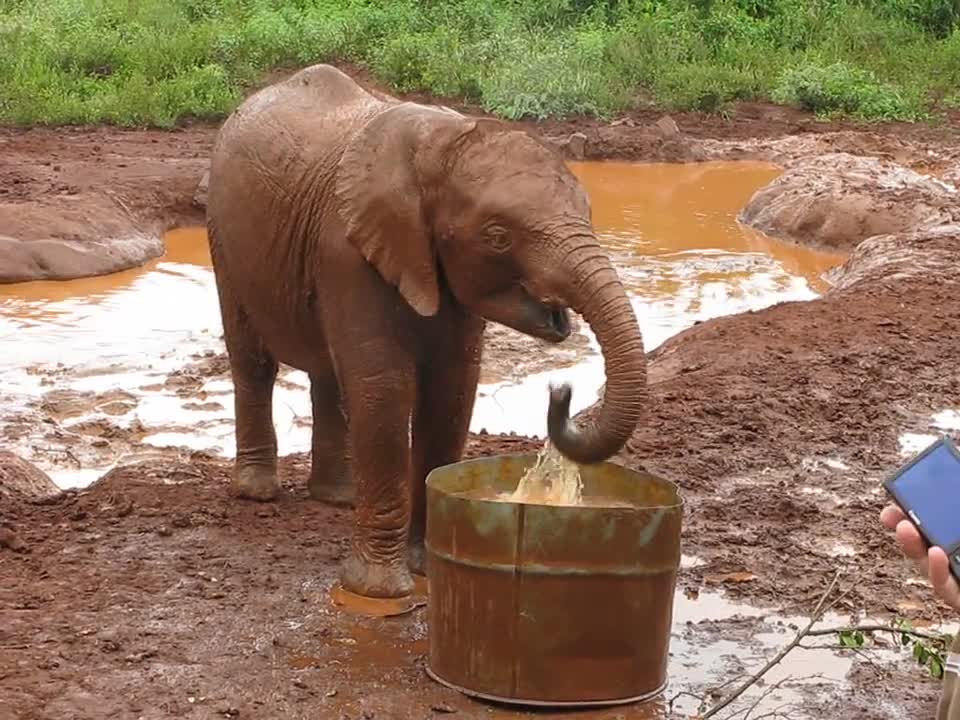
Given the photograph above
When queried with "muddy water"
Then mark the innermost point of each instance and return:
(131, 314)
(715, 643)
(671, 230)
(666, 222)
(673, 233)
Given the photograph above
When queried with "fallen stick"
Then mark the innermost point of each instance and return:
(818, 612)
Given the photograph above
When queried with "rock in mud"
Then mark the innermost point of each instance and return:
(90, 202)
(929, 252)
(572, 147)
(200, 196)
(668, 127)
(60, 259)
(23, 481)
(838, 200)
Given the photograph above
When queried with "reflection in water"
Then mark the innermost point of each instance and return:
(683, 257)
(121, 317)
(671, 230)
(668, 225)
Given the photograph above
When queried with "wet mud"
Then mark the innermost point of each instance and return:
(838, 200)
(153, 593)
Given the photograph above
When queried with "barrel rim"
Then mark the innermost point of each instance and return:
(680, 503)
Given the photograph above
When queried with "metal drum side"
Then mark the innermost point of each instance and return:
(549, 604)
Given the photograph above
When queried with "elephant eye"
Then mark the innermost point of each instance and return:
(497, 238)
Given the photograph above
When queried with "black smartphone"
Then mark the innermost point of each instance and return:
(927, 489)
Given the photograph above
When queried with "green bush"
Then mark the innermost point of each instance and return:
(540, 79)
(841, 88)
(158, 61)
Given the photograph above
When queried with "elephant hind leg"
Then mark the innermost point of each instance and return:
(254, 371)
(330, 479)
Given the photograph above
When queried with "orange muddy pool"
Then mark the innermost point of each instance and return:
(670, 213)
(671, 230)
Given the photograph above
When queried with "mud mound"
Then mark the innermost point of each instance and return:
(930, 253)
(790, 149)
(835, 378)
(21, 481)
(81, 203)
(838, 200)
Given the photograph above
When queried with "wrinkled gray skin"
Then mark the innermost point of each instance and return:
(365, 242)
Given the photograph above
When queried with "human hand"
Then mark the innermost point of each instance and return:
(932, 562)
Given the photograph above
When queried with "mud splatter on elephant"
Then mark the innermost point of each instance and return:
(366, 241)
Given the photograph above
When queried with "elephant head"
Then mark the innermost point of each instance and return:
(438, 201)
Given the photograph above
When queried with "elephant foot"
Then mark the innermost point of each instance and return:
(417, 557)
(340, 493)
(256, 482)
(373, 579)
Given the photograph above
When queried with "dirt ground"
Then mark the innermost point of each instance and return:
(154, 594)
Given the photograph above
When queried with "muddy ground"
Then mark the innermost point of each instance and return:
(154, 594)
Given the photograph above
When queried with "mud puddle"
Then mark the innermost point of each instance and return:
(671, 230)
(225, 608)
(716, 645)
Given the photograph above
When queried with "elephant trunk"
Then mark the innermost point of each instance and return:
(596, 293)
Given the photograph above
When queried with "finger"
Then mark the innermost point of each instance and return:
(912, 543)
(891, 516)
(944, 584)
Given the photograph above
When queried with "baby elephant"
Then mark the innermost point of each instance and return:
(366, 241)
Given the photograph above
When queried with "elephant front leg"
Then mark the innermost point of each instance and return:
(441, 421)
(330, 480)
(379, 407)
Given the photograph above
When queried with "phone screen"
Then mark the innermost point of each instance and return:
(929, 490)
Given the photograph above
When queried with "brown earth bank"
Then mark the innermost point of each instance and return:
(838, 200)
(77, 202)
(155, 594)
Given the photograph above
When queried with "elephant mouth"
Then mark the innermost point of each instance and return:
(542, 318)
(555, 325)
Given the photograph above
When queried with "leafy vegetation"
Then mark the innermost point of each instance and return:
(135, 62)
(929, 650)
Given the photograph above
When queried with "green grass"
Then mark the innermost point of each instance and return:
(154, 62)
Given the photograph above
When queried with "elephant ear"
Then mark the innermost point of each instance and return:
(384, 179)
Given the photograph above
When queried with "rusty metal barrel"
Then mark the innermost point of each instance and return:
(545, 604)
